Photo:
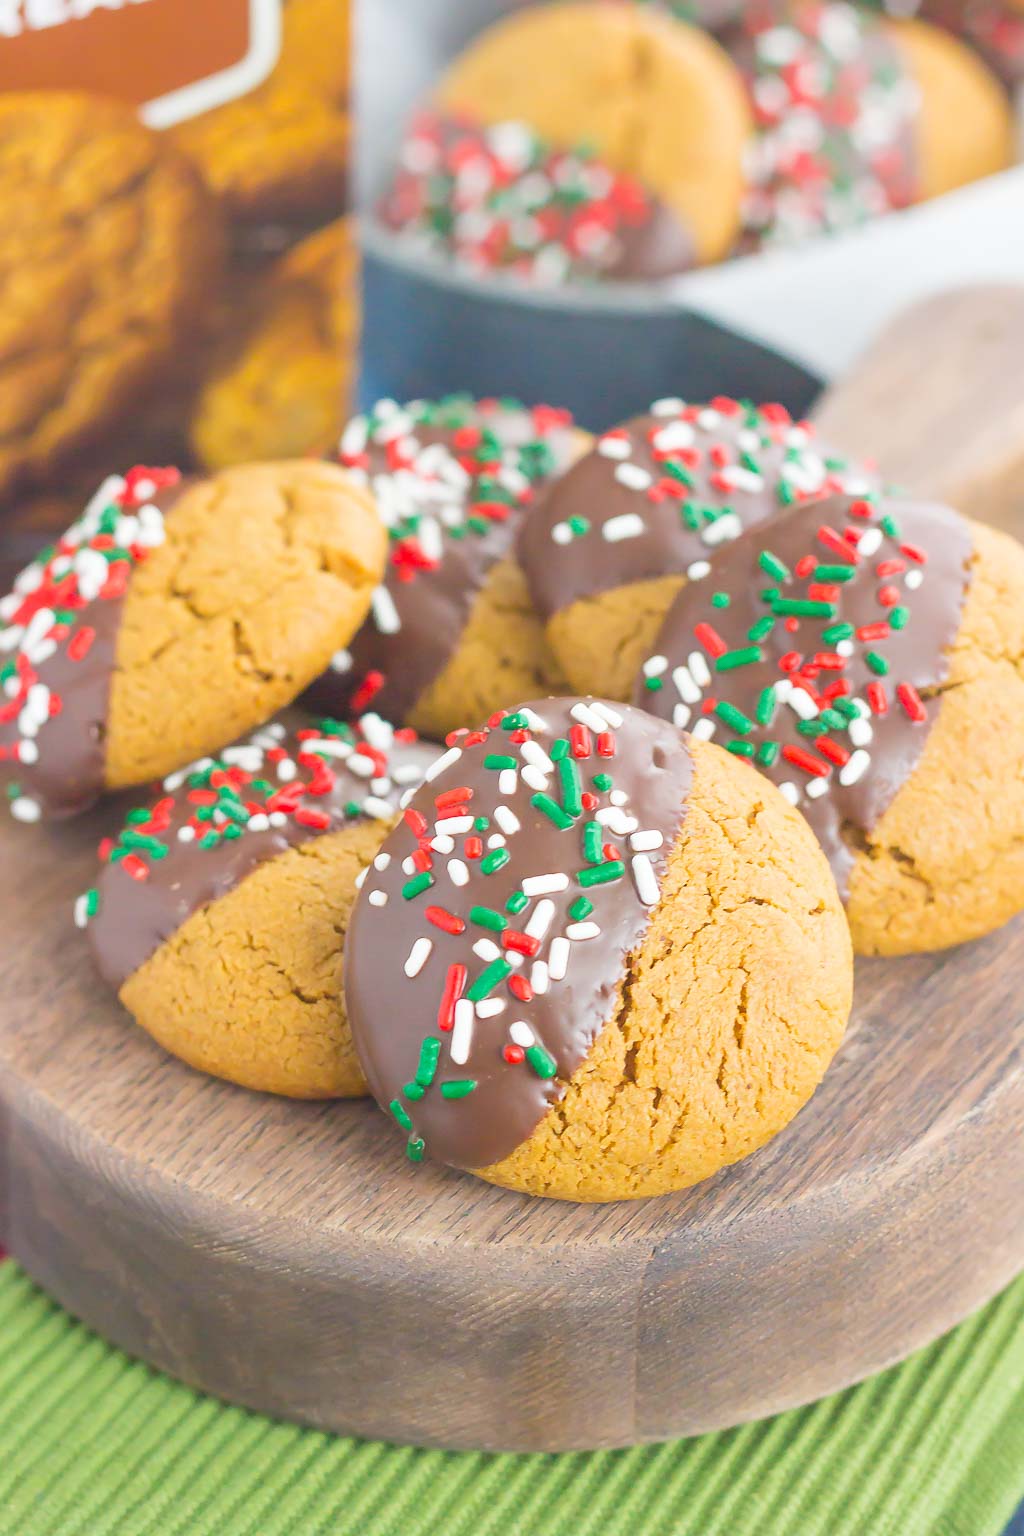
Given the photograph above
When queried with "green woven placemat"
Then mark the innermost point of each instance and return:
(94, 1444)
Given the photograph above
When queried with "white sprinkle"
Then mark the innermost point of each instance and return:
(617, 821)
(490, 1007)
(377, 731)
(258, 823)
(635, 478)
(341, 661)
(913, 579)
(612, 447)
(418, 957)
(618, 797)
(457, 872)
(495, 840)
(611, 717)
(24, 809)
(801, 703)
(628, 525)
(699, 670)
(373, 805)
(382, 861)
(278, 818)
(855, 768)
(544, 885)
(860, 732)
(533, 720)
(534, 753)
(540, 919)
(671, 405)
(844, 648)
(462, 1032)
(446, 760)
(407, 773)
(558, 958)
(578, 932)
(869, 542)
(561, 533)
(539, 977)
(816, 788)
(654, 666)
(646, 842)
(535, 778)
(507, 780)
(408, 867)
(704, 729)
(28, 752)
(378, 898)
(724, 528)
(645, 879)
(681, 716)
(81, 912)
(286, 770)
(789, 791)
(685, 685)
(506, 819)
(453, 826)
(360, 879)
(486, 949)
(698, 570)
(673, 437)
(361, 765)
(587, 716)
(443, 844)
(520, 1033)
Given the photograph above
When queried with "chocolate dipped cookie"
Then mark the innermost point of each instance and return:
(451, 635)
(867, 656)
(596, 959)
(172, 617)
(578, 141)
(220, 913)
(641, 514)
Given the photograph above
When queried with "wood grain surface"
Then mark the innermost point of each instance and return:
(938, 400)
(286, 1256)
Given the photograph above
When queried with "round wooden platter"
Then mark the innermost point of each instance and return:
(287, 1257)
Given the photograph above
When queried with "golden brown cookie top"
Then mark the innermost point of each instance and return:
(816, 647)
(219, 819)
(174, 616)
(493, 931)
(453, 480)
(656, 495)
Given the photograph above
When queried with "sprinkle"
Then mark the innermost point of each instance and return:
(558, 958)
(645, 879)
(494, 861)
(488, 979)
(912, 702)
(400, 1114)
(600, 874)
(462, 1032)
(552, 810)
(457, 872)
(430, 1051)
(417, 884)
(728, 661)
(458, 1088)
(542, 1063)
(855, 768)
(545, 885)
(801, 758)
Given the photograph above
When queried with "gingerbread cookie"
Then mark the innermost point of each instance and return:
(596, 960)
(109, 248)
(574, 140)
(282, 150)
(174, 616)
(220, 914)
(451, 634)
(279, 381)
(641, 513)
(868, 657)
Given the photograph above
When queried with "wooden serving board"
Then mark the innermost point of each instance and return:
(286, 1256)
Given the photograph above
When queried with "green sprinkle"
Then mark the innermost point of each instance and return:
(421, 882)
(208, 840)
(876, 662)
(138, 816)
(515, 722)
(580, 909)
(499, 760)
(812, 728)
(767, 703)
(400, 1115)
(516, 902)
(775, 567)
(430, 1050)
(601, 874)
(92, 902)
(458, 1088)
(569, 778)
(762, 629)
(579, 525)
(492, 976)
(481, 823)
(836, 632)
(730, 660)
(767, 753)
(559, 749)
(720, 599)
(835, 573)
(677, 472)
(542, 1063)
(740, 748)
(846, 707)
(602, 781)
(416, 1146)
(832, 720)
(890, 526)
(414, 1091)
(143, 841)
(803, 608)
(494, 861)
(353, 808)
(769, 594)
(898, 617)
(486, 917)
(593, 838)
(653, 684)
(551, 809)
(733, 717)
(231, 832)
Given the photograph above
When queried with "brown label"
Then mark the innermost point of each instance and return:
(174, 58)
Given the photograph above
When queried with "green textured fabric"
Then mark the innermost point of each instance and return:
(94, 1444)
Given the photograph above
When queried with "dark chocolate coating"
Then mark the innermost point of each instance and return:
(917, 654)
(391, 1013)
(136, 916)
(714, 440)
(433, 607)
(69, 774)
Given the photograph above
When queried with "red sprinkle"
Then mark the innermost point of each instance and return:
(454, 986)
(474, 847)
(838, 546)
(877, 698)
(513, 1054)
(522, 943)
(451, 799)
(445, 920)
(417, 822)
(371, 684)
(579, 740)
(912, 702)
(707, 636)
(134, 866)
(318, 821)
(520, 988)
(888, 596)
(81, 642)
(879, 631)
(801, 758)
(832, 750)
(606, 744)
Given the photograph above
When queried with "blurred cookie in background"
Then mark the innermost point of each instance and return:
(280, 377)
